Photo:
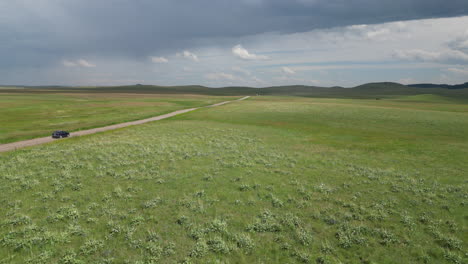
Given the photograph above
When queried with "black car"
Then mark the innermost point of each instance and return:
(60, 134)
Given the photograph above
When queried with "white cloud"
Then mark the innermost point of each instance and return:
(220, 76)
(258, 80)
(288, 70)
(378, 33)
(80, 63)
(463, 71)
(84, 63)
(434, 56)
(463, 44)
(244, 54)
(223, 79)
(407, 81)
(286, 80)
(159, 60)
(241, 70)
(188, 55)
(460, 43)
(385, 32)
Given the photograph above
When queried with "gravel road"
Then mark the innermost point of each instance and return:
(39, 141)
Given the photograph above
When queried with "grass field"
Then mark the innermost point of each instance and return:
(35, 114)
(266, 180)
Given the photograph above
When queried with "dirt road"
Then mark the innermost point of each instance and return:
(39, 141)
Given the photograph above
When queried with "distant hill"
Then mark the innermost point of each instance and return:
(370, 90)
(445, 86)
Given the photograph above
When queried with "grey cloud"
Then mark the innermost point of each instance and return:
(446, 56)
(35, 32)
(461, 43)
(79, 63)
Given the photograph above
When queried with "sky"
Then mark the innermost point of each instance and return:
(220, 43)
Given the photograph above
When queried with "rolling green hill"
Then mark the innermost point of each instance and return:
(446, 86)
(370, 90)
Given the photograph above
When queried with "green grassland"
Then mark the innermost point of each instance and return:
(25, 115)
(30, 112)
(266, 180)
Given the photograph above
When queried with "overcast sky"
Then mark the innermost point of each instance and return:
(233, 42)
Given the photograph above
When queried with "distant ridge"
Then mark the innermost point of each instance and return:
(379, 85)
(445, 86)
(366, 91)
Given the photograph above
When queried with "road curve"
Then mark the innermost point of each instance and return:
(39, 141)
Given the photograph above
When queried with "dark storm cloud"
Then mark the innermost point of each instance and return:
(35, 32)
